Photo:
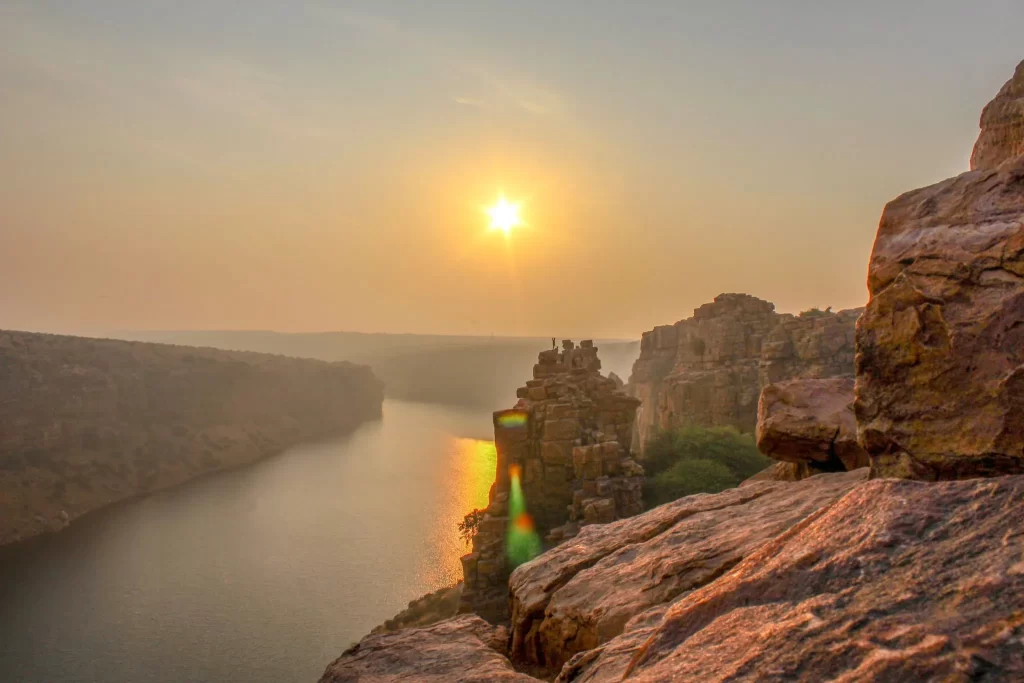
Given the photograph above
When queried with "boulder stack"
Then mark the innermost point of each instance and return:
(567, 439)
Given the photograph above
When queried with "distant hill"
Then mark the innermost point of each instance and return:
(88, 422)
(459, 370)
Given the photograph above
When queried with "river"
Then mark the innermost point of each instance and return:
(263, 574)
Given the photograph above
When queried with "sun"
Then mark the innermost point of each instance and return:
(504, 215)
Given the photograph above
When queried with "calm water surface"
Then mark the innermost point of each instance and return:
(262, 574)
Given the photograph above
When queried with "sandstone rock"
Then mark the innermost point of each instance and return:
(566, 438)
(897, 581)
(940, 361)
(811, 421)
(710, 369)
(1002, 126)
(583, 593)
(781, 471)
(464, 649)
(88, 422)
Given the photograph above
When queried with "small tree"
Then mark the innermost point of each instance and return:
(470, 524)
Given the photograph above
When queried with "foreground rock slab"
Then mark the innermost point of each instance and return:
(461, 650)
(582, 593)
(897, 581)
(811, 422)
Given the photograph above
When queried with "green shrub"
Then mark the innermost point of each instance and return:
(687, 460)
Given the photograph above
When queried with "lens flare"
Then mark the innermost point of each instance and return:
(522, 543)
(513, 419)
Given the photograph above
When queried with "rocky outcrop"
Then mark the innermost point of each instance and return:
(88, 422)
(584, 592)
(940, 362)
(710, 369)
(897, 581)
(1002, 126)
(810, 422)
(425, 610)
(465, 649)
(566, 442)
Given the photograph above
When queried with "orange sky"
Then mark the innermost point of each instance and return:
(311, 166)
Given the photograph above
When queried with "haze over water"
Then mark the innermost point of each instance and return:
(264, 574)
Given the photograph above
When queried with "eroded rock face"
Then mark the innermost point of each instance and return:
(88, 422)
(940, 362)
(465, 649)
(568, 438)
(1002, 126)
(897, 581)
(811, 422)
(582, 593)
(710, 369)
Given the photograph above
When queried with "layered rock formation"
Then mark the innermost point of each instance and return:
(88, 422)
(710, 369)
(568, 439)
(1002, 126)
(464, 650)
(940, 362)
(897, 581)
(810, 423)
(832, 577)
(584, 593)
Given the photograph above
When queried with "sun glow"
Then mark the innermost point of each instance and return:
(504, 216)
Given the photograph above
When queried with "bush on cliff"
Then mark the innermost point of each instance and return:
(686, 460)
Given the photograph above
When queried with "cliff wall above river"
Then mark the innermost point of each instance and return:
(88, 422)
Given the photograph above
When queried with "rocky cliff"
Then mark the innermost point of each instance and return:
(710, 369)
(564, 449)
(835, 577)
(88, 422)
(940, 347)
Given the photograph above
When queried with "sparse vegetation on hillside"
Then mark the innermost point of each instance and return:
(686, 460)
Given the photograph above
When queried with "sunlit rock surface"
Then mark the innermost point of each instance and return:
(88, 422)
(897, 581)
(810, 422)
(584, 592)
(710, 369)
(1002, 126)
(940, 347)
(465, 649)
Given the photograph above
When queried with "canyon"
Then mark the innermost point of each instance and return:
(85, 423)
(907, 569)
(710, 369)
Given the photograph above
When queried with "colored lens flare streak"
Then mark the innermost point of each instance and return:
(522, 543)
(513, 420)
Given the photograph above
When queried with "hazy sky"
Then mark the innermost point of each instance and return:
(315, 165)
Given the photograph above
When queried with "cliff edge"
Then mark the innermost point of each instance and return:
(88, 422)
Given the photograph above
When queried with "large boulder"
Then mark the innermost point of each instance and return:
(465, 649)
(810, 422)
(940, 360)
(1002, 125)
(582, 593)
(897, 581)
